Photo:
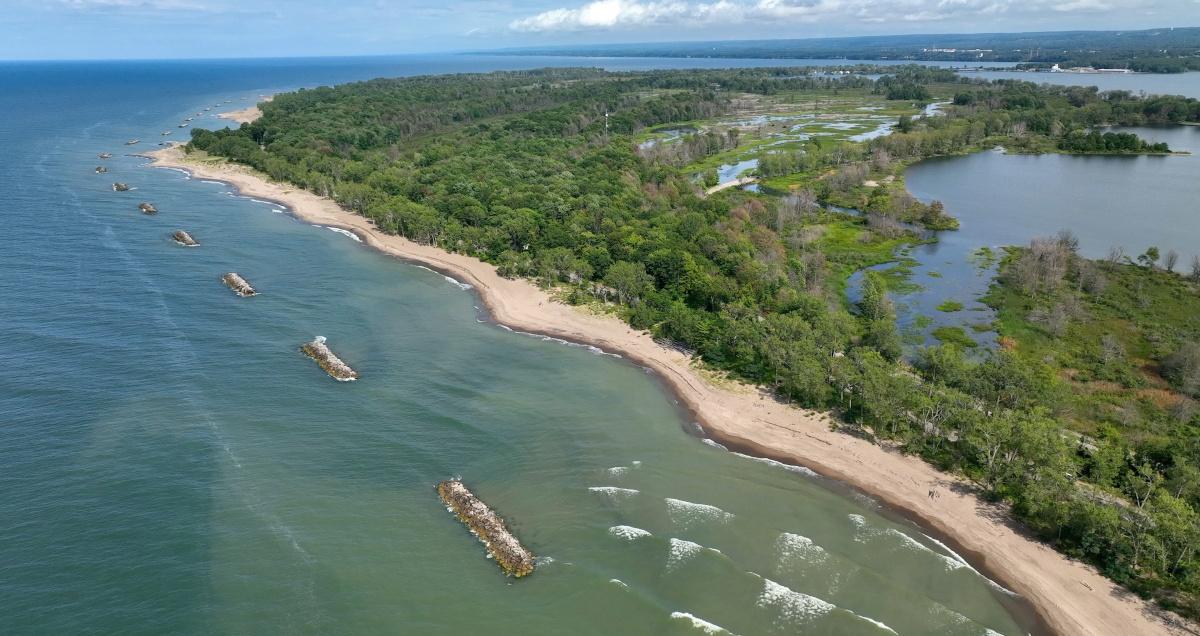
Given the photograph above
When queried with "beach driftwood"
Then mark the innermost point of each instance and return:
(120, 187)
(484, 523)
(147, 208)
(238, 284)
(327, 360)
(183, 238)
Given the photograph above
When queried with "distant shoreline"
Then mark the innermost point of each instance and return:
(1069, 596)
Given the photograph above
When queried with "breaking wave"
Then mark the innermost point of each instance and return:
(792, 606)
(699, 623)
(629, 533)
(686, 513)
(788, 467)
(613, 492)
(796, 548)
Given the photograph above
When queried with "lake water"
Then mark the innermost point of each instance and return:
(1130, 202)
(1186, 84)
(172, 463)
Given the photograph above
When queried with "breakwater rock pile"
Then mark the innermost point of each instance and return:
(328, 360)
(147, 208)
(185, 239)
(484, 523)
(120, 187)
(101, 169)
(238, 284)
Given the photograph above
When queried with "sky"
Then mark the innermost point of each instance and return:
(109, 29)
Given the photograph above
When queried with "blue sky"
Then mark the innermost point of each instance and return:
(105, 29)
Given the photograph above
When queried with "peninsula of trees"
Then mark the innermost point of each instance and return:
(592, 182)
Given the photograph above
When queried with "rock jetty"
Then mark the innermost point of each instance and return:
(238, 285)
(120, 187)
(184, 239)
(147, 208)
(484, 523)
(333, 365)
(101, 169)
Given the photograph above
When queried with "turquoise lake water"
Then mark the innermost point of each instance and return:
(172, 463)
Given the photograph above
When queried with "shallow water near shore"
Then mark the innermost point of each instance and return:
(174, 463)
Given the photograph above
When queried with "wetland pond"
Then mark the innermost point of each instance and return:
(1131, 202)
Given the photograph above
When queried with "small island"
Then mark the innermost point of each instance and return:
(239, 285)
(184, 239)
(328, 360)
(484, 523)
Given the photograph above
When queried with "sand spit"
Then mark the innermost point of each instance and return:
(147, 208)
(184, 239)
(328, 360)
(509, 554)
(246, 115)
(1069, 596)
(238, 285)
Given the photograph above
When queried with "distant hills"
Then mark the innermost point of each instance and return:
(1152, 50)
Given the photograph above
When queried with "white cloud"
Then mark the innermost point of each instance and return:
(617, 14)
(185, 5)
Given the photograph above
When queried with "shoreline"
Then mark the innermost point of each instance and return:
(1069, 597)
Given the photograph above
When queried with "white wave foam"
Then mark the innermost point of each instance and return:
(613, 492)
(212, 182)
(457, 283)
(864, 532)
(699, 623)
(714, 444)
(635, 463)
(629, 533)
(617, 471)
(880, 624)
(618, 582)
(788, 467)
(681, 551)
(264, 201)
(344, 233)
(796, 548)
(793, 606)
(686, 513)
(545, 338)
(185, 173)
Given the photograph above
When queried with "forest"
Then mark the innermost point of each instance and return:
(525, 170)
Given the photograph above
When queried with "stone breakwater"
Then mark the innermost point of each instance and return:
(185, 239)
(333, 365)
(238, 284)
(484, 523)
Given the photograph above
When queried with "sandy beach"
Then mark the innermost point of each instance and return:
(245, 115)
(1069, 596)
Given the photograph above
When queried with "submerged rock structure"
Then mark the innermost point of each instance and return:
(105, 155)
(120, 187)
(327, 360)
(184, 239)
(132, 142)
(484, 523)
(238, 284)
(147, 208)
